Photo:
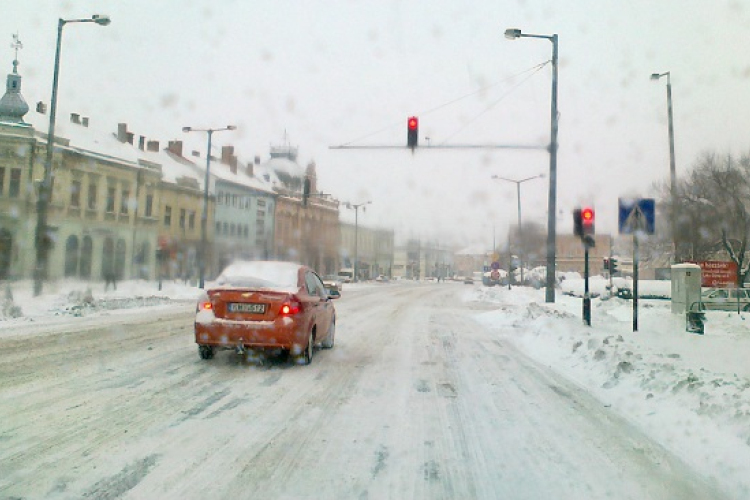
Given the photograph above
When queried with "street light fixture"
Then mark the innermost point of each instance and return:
(204, 215)
(672, 170)
(518, 199)
(356, 207)
(42, 237)
(513, 34)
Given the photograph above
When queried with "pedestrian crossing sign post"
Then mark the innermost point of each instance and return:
(636, 217)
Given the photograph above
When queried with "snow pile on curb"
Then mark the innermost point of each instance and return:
(76, 299)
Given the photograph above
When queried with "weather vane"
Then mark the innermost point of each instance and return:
(16, 45)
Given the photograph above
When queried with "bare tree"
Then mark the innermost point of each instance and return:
(711, 207)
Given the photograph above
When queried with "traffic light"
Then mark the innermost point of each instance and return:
(412, 132)
(606, 264)
(612, 266)
(587, 221)
(577, 222)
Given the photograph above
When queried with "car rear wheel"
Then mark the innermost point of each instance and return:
(328, 342)
(206, 351)
(305, 358)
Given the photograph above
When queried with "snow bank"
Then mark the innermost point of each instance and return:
(691, 393)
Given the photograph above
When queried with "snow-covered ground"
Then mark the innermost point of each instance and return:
(689, 392)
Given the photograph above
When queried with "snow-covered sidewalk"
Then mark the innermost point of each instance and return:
(67, 300)
(689, 392)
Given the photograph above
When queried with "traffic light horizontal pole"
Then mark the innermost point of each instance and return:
(454, 146)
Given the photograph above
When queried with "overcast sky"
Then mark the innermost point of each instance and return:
(326, 73)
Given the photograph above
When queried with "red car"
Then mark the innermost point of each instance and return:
(266, 305)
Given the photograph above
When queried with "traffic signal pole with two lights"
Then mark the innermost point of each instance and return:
(583, 227)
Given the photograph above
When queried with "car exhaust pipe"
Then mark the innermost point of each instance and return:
(241, 348)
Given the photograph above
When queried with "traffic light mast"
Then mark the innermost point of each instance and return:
(584, 228)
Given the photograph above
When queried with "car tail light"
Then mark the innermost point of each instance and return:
(290, 307)
(204, 304)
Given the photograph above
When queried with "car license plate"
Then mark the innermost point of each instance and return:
(246, 307)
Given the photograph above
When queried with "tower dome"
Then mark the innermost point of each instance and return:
(13, 106)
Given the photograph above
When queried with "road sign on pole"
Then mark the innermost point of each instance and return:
(636, 215)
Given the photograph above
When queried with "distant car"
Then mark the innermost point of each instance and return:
(346, 275)
(468, 280)
(266, 305)
(382, 278)
(333, 281)
(725, 299)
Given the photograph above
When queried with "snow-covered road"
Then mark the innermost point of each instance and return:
(417, 400)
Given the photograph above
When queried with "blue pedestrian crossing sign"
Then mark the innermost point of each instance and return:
(636, 215)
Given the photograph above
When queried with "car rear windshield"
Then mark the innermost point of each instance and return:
(259, 275)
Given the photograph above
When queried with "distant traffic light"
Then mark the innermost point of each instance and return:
(587, 221)
(612, 266)
(606, 264)
(412, 132)
(577, 222)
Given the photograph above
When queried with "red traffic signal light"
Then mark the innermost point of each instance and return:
(587, 220)
(583, 223)
(587, 216)
(412, 132)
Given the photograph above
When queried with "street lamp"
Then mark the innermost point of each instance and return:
(672, 171)
(42, 237)
(356, 207)
(512, 34)
(518, 198)
(204, 215)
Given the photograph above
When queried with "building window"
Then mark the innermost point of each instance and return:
(149, 204)
(120, 256)
(167, 216)
(218, 228)
(14, 190)
(227, 199)
(261, 213)
(2, 180)
(225, 229)
(183, 213)
(86, 257)
(71, 256)
(191, 220)
(92, 195)
(124, 201)
(219, 197)
(247, 202)
(247, 231)
(75, 194)
(232, 229)
(261, 203)
(111, 200)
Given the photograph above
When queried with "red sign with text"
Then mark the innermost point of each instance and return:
(718, 274)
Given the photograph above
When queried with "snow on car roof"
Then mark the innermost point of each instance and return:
(260, 274)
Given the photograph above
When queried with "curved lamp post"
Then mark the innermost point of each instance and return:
(42, 237)
(204, 214)
(518, 199)
(513, 34)
(356, 207)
